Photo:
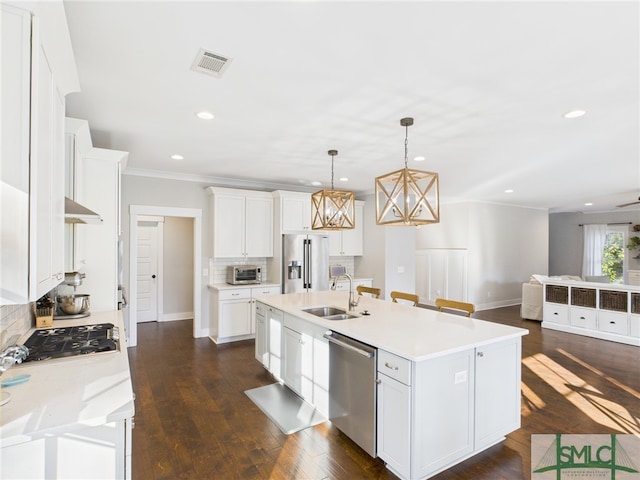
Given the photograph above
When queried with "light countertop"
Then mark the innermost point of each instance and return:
(410, 332)
(226, 286)
(67, 394)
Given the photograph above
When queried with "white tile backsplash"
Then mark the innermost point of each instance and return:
(14, 320)
(218, 266)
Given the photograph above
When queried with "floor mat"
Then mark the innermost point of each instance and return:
(285, 408)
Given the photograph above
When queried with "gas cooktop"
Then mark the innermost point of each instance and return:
(60, 342)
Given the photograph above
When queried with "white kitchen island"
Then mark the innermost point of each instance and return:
(448, 386)
(73, 417)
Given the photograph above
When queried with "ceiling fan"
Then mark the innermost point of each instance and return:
(627, 204)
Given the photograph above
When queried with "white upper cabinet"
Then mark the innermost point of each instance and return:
(349, 242)
(38, 70)
(242, 223)
(294, 211)
(46, 225)
(15, 39)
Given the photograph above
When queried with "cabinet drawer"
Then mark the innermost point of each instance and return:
(583, 318)
(634, 325)
(265, 290)
(613, 322)
(556, 313)
(234, 294)
(394, 366)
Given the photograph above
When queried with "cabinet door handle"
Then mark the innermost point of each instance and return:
(392, 367)
(582, 318)
(378, 381)
(612, 322)
(481, 354)
(235, 294)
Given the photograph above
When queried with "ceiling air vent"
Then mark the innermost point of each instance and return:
(210, 63)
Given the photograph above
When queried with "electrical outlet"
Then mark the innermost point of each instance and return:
(401, 269)
(205, 272)
(460, 377)
(488, 294)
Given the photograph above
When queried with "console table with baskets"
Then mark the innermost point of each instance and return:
(600, 310)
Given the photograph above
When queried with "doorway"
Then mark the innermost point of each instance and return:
(136, 212)
(149, 267)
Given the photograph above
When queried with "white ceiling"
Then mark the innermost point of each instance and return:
(487, 84)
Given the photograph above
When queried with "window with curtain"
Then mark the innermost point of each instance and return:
(603, 253)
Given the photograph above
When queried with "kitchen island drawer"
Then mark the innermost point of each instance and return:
(394, 366)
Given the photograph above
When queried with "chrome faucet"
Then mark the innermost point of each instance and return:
(352, 303)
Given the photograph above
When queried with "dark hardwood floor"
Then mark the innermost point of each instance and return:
(193, 420)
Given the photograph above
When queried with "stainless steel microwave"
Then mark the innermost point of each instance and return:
(243, 274)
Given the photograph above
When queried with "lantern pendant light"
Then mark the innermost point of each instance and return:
(407, 197)
(332, 209)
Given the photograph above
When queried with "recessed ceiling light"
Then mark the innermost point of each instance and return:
(177, 157)
(574, 114)
(419, 158)
(508, 190)
(344, 179)
(205, 115)
(588, 204)
(316, 183)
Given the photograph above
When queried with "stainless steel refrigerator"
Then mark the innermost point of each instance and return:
(305, 263)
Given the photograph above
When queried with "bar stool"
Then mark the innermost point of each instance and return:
(373, 291)
(410, 297)
(443, 303)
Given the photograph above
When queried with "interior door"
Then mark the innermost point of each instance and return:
(147, 276)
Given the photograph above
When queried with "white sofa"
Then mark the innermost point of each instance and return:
(532, 295)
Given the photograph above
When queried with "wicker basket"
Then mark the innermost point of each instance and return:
(557, 294)
(583, 297)
(613, 300)
(635, 302)
(44, 317)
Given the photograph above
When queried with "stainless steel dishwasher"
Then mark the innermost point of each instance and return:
(352, 389)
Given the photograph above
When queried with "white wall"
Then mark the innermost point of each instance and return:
(386, 250)
(147, 191)
(178, 268)
(504, 245)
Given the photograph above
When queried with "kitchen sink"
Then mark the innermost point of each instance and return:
(340, 316)
(324, 311)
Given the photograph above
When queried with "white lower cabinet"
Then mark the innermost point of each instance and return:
(274, 320)
(233, 312)
(295, 351)
(305, 367)
(297, 369)
(613, 322)
(497, 391)
(447, 408)
(556, 313)
(394, 424)
(98, 452)
(606, 311)
(634, 326)
(262, 349)
(583, 317)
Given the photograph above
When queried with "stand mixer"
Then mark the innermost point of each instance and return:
(75, 305)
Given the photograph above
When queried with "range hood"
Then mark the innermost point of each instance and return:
(76, 213)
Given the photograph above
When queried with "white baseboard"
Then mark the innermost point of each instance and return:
(170, 317)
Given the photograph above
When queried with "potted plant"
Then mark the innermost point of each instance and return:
(634, 242)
